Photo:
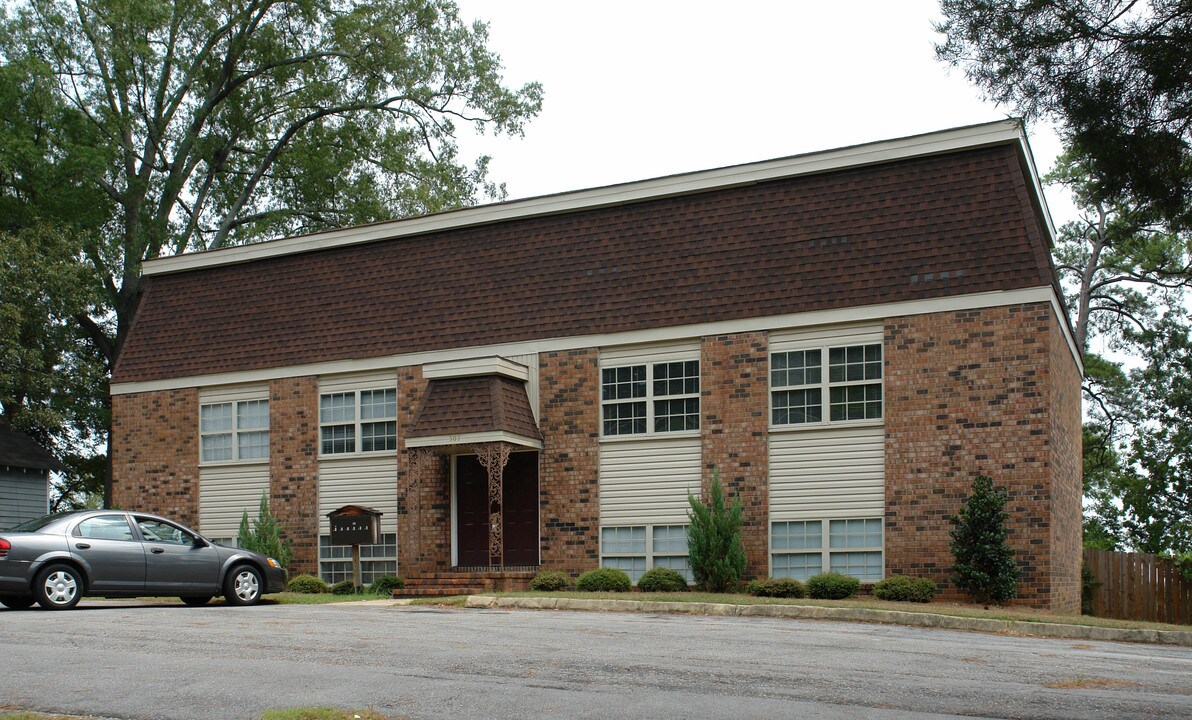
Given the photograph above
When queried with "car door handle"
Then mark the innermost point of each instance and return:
(82, 546)
(157, 551)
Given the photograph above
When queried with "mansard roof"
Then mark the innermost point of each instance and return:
(951, 213)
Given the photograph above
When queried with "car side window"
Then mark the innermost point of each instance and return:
(163, 532)
(104, 527)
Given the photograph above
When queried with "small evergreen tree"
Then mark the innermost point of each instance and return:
(984, 566)
(265, 537)
(714, 540)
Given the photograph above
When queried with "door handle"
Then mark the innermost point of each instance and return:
(83, 546)
(157, 551)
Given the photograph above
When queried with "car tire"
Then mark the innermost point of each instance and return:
(195, 599)
(243, 585)
(17, 602)
(58, 587)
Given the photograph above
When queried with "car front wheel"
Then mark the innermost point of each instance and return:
(16, 602)
(58, 587)
(243, 586)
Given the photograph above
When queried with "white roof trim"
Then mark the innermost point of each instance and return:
(473, 367)
(472, 439)
(835, 316)
(994, 133)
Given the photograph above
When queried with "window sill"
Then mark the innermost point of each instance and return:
(644, 437)
(232, 463)
(802, 427)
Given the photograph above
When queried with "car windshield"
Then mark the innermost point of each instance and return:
(39, 523)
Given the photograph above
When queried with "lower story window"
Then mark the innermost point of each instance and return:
(335, 561)
(804, 548)
(637, 548)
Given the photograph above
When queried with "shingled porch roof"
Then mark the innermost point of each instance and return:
(458, 411)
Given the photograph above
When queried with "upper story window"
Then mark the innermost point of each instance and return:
(232, 431)
(818, 385)
(650, 398)
(361, 421)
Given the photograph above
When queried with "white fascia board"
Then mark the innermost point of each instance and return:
(465, 439)
(975, 136)
(835, 316)
(472, 367)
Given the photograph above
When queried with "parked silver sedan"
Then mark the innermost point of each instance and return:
(57, 559)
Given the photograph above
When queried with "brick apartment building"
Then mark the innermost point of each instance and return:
(845, 337)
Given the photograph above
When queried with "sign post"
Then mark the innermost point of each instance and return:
(355, 525)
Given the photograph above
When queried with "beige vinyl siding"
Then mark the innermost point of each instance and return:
(226, 492)
(370, 481)
(824, 336)
(531, 362)
(379, 380)
(825, 473)
(656, 352)
(646, 482)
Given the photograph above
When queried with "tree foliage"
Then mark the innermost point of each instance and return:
(151, 128)
(1115, 75)
(714, 540)
(265, 536)
(984, 562)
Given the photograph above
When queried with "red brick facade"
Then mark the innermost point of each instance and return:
(423, 492)
(155, 453)
(983, 391)
(294, 467)
(734, 431)
(569, 482)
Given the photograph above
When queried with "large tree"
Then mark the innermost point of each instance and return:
(1116, 76)
(204, 123)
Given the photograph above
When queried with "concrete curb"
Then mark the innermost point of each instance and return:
(815, 612)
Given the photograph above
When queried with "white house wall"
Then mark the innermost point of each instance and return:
(647, 481)
(359, 481)
(226, 492)
(827, 473)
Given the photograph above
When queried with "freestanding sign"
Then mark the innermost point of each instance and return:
(355, 525)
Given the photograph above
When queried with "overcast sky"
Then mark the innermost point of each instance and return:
(635, 90)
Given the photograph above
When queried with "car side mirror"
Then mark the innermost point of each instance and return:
(200, 542)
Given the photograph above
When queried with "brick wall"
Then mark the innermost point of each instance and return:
(155, 453)
(734, 432)
(294, 467)
(1067, 467)
(966, 393)
(423, 498)
(569, 492)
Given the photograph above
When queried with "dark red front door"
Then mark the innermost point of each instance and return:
(520, 516)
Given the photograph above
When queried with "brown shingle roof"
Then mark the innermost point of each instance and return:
(457, 406)
(920, 228)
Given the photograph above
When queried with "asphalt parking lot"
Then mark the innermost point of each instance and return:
(130, 660)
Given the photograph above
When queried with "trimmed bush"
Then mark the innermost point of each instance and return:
(345, 587)
(604, 580)
(386, 584)
(264, 536)
(714, 539)
(776, 588)
(984, 566)
(902, 588)
(832, 586)
(661, 579)
(550, 581)
(307, 585)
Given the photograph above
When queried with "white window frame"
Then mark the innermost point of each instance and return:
(651, 398)
(825, 551)
(825, 386)
(368, 559)
(235, 431)
(651, 553)
(357, 423)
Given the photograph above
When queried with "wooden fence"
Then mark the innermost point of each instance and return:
(1138, 586)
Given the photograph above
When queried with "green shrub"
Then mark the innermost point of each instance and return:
(386, 584)
(306, 584)
(345, 587)
(832, 586)
(776, 588)
(550, 581)
(984, 566)
(264, 536)
(714, 540)
(661, 579)
(902, 588)
(604, 580)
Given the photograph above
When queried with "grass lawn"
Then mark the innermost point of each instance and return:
(869, 603)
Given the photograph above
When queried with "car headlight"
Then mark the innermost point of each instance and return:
(273, 563)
